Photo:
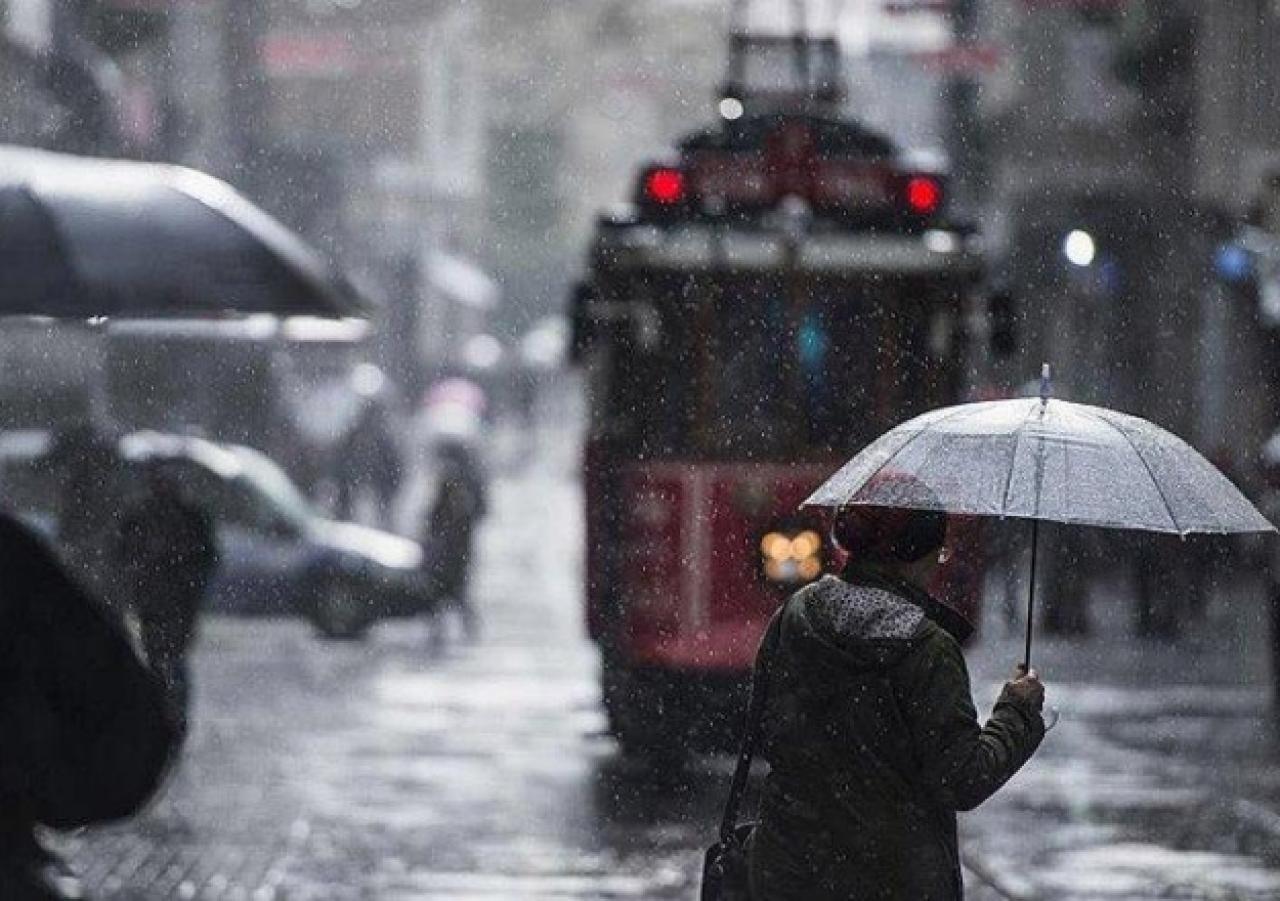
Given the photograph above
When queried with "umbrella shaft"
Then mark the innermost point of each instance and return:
(1031, 589)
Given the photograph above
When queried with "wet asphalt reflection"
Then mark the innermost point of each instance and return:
(385, 770)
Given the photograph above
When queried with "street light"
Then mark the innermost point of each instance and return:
(1079, 248)
(731, 109)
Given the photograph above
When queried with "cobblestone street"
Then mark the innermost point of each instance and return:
(321, 770)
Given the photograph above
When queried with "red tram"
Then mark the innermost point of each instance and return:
(782, 291)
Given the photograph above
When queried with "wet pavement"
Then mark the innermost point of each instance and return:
(1161, 778)
(382, 770)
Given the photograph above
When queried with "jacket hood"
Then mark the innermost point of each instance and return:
(951, 620)
(852, 625)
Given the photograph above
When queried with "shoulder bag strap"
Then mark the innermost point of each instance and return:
(751, 732)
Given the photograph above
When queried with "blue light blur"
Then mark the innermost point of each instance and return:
(1233, 263)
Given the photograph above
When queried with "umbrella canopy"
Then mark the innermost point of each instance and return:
(1045, 459)
(83, 237)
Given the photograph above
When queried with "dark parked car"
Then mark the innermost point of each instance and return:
(278, 554)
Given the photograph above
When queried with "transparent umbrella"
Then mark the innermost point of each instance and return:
(1044, 459)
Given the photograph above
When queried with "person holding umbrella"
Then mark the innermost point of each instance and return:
(860, 698)
(870, 731)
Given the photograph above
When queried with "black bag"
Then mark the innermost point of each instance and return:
(28, 872)
(726, 867)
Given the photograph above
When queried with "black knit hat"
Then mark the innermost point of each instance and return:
(889, 534)
(879, 534)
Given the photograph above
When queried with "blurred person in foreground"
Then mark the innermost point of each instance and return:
(870, 730)
(88, 466)
(167, 554)
(85, 735)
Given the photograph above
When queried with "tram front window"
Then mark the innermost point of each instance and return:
(761, 370)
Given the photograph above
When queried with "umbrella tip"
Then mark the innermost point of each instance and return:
(1046, 382)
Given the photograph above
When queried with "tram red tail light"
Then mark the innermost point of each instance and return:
(665, 186)
(923, 195)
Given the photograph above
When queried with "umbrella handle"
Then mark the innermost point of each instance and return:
(1031, 591)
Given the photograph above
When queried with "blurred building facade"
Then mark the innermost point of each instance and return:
(61, 91)
(453, 154)
(1121, 139)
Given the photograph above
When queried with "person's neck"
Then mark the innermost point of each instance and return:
(862, 570)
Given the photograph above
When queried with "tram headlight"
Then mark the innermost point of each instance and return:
(775, 546)
(805, 545)
(791, 558)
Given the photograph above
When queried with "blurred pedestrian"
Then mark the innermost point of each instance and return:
(1171, 580)
(459, 503)
(1269, 503)
(1069, 557)
(369, 468)
(167, 554)
(870, 730)
(85, 737)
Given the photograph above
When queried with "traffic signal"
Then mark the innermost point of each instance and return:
(1157, 56)
(1158, 52)
(122, 27)
(1100, 13)
(1003, 310)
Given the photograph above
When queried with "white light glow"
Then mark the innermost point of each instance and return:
(1079, 248)
(367, 380)
(731, 108)
(482, 352)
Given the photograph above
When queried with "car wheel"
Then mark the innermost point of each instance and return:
(341, 609)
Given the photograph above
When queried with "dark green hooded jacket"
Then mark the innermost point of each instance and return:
(874, 744)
